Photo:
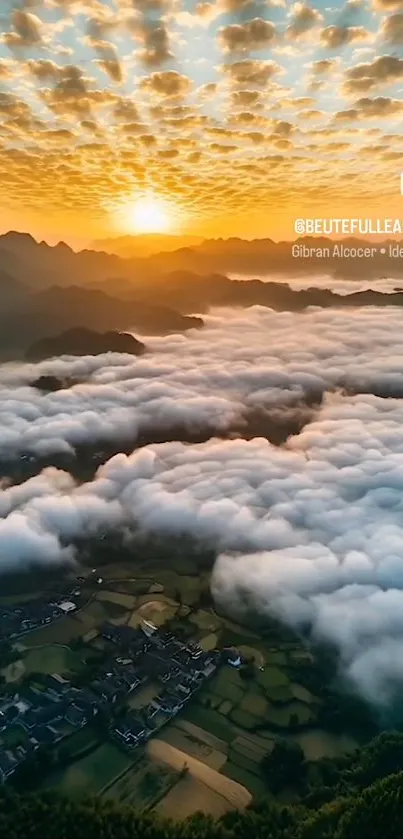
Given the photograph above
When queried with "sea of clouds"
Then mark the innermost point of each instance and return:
(311, 531)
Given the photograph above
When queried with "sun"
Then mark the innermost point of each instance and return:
(149, 215)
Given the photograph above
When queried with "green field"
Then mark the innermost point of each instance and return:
(227, 684)
(205, 620)
(244, 720)
(142, 785)
(92, 773)
(252, 782)
(283, 716)
(80, 741)
(254, 704)
(272, 677)
(126, 601)
(101, 609)
(211, 720)
(59, 632)
(52, 658)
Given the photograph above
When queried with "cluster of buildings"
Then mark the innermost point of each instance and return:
(45, 712)
(179, 669)
(39, 715)
(24, 617)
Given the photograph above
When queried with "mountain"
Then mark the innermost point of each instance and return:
(57, 309)
(12, 291)
(187, 291)
(38, 265)
(80, 341)
(264, 257)
(145, 245)
(50, 384)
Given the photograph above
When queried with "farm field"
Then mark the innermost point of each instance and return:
(90, 774)
(318, 743)
(82, 741)
(190, 795)
(51, 658)
(194, 744)
(201, 788)
(60, 632)
(127, 601)
(142, 785)
(221, 734)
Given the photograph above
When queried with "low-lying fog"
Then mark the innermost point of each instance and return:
(311, 530)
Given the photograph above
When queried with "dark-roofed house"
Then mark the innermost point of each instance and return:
(44, 735)
(8, 765)
(53, 688)
(76, 716)
(42, 716)
(106, 690)
(130, 730)
(168, 704)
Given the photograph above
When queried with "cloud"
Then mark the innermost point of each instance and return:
(309, 531)
(367, 108)
(303, 18)
(108, 57)
(387, 5)
(156, 43)
(44, 69)
(251, 72)
(27, 30)
(383, 70)
(334, 37)
(323, 66)
(256, 34)
(392, 29)
(168, 83)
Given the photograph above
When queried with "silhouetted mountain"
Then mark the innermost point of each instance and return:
(50, 384)
(65, 289)
(186, 291)
(84, 342)
(12, 291)
(39, 265)
(265, 257)
(58, 309)
(145, 244)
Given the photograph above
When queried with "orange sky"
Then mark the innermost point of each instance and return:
(240, 115)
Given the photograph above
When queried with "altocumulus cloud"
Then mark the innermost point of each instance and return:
(310, 531)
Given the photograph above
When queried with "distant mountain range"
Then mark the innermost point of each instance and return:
(145, 245)
(47, 290)
(39, 265)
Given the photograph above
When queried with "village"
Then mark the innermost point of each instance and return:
(135, 657)
(124, 682)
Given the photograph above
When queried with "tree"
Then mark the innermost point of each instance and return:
(284, 766)
(247, 671)
(375, 814)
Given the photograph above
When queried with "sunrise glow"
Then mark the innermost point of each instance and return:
(148, 215)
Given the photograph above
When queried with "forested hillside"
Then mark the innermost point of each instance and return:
(350, 797)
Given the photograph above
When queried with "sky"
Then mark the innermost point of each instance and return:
(221, 118)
